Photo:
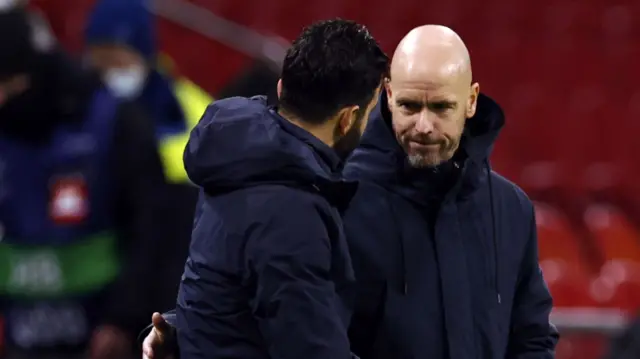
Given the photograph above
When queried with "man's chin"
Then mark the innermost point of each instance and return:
(425, 161)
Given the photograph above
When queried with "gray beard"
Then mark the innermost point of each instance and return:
(420, 161)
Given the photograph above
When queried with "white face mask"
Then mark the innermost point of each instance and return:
(125, 83)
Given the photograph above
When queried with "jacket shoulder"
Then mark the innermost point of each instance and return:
(264, 203)
(284, 197)
(512, 194)
(225, 222)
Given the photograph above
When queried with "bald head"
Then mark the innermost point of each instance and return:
(430, 94)
(431, 52)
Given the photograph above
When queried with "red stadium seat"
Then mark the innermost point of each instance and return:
(625, 277)
(567, 272)
(557, 240)
(614, 235)
(619, 242)
(569, 286)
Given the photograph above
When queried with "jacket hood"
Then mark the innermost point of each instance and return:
(240, 142)
(123, 22)
(379, 157)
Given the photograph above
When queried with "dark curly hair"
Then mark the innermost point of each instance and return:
(331, 65)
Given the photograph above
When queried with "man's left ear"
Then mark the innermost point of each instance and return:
(472, 103)
(347, 118)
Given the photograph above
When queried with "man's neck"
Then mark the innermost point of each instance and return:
(321, 132)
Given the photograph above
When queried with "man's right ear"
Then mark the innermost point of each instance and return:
(279, 88)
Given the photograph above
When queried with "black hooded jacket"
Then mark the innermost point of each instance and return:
(445, 259)
(268, 273)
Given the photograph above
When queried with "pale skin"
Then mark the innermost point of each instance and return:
(430, 94)
(152, 345)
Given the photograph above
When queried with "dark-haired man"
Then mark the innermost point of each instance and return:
(268, 273)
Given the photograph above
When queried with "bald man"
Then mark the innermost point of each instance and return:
(444, 249)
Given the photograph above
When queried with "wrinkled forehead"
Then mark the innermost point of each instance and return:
(438, 72)
(427, 89)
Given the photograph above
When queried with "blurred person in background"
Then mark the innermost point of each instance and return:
(42, 32)
(79, 180)
(444, 250)
(121, 43)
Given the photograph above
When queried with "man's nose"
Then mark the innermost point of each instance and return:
(425, 122)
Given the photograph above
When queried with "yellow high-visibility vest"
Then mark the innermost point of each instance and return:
(193, 101)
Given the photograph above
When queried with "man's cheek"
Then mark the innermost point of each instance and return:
(400, 122)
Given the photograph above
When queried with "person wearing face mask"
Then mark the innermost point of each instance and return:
(121, 44)
(80, 179)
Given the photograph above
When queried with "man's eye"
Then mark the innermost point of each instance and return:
(409, 106)
(440, 106)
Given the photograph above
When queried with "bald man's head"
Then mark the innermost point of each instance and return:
(431, 50)
(431, 93)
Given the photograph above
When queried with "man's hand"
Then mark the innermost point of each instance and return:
(109, 342)
(157, 345)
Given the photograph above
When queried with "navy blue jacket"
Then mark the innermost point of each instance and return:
(446, 259)
(268, 273)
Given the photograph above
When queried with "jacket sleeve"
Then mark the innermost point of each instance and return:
(288, 258)
(138, 187)
(532, 334)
